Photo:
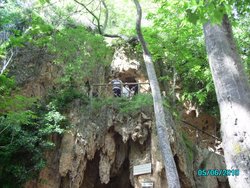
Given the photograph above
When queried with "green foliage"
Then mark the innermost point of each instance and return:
(6, 85)
(241, 33)
(137, 103)
(15, 103)
(83, 55)
(10, 15)
(38, 33)
(62, 97)
(189, 145)
(122, 104)
(22, 26)
(25, 128)
(176, 43)
(207, 10)
(179, 45)
(17, 144)
(10, 100)
(52, 121)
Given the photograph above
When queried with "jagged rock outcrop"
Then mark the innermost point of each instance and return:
(102, 155)
(129, 64)
(207, 160)
(34, 71)
(108, 145)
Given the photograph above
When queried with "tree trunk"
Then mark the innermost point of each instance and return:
(170, 166)
(233, 95)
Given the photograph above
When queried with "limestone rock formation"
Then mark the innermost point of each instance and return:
(102, 147)
(97, 155)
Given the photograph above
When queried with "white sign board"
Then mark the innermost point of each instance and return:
(142, 169)
(147, 184)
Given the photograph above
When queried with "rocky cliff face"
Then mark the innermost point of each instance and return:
(103, 146)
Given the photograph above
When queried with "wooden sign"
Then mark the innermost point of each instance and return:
(142, 169)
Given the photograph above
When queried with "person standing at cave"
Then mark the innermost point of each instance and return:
(134, 87)
(117, 86)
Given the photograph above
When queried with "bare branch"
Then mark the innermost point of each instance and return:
(94, 16)
(90, 3)
(97, 7)
(102, 28)
(100, 10)
(124, 37)
(106, 14)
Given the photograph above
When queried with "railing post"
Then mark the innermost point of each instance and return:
(91, 92)
(121, 90)
(106, 90)
(197, 137)
(91, 96)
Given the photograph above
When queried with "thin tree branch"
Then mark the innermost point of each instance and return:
(100, 10)
(106, 15)
(94, 16)
(90, 2)
(124, 37)
(4, 129)
(100, 28)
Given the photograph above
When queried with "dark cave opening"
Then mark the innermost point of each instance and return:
(180, 173)
(121, 180)
(119, 176)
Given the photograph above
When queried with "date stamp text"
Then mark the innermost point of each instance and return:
(218, 172)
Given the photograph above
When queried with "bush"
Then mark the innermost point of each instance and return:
(189, 145)
(124, 105)
(62, 97)
(25, 128)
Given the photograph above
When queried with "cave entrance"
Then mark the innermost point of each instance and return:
(136, 82)
(129, 76)
(119, 177)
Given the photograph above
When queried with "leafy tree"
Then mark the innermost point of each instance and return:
(231, 83)
(178, 50)
(233, 95)
(241, 33)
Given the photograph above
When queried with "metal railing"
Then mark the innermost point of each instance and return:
(106, 90)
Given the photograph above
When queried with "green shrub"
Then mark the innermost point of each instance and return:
(189, 145)
(62, 97)
(25, 128)
(138, 102)
(123, 105)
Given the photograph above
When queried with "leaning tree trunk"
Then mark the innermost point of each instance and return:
(233, 95)
(170, 167)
